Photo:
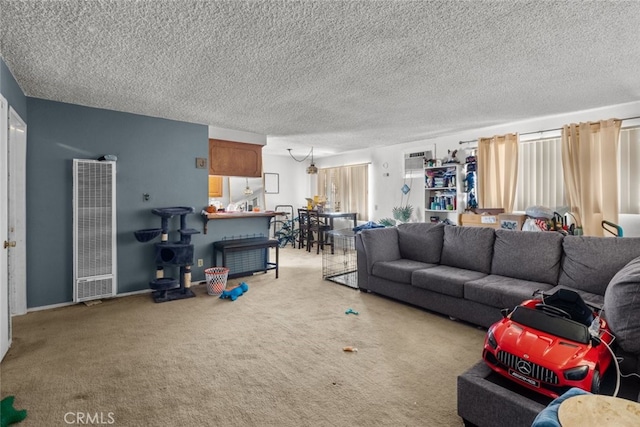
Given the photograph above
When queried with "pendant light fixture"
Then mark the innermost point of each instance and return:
(247, 190)
(311, 169)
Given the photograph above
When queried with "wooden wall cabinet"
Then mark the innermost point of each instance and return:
(215, 186)
(232, 158)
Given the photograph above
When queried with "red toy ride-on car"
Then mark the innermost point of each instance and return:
(550, 344)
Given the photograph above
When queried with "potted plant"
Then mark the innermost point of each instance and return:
(401, 214)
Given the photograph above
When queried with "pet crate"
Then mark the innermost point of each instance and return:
(339, 261)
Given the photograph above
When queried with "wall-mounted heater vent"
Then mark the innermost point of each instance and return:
(94, 230)
(414, 161)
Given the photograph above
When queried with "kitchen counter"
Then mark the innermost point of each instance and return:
(228, 215)
(206, 217)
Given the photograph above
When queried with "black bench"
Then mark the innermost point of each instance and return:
(243, 245)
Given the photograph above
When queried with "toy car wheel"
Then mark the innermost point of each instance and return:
(595, 382)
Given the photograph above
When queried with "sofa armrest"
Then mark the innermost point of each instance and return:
(380, 244)
(622, 307)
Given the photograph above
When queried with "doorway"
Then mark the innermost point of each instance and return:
(5, 314)
(13, 284)
(17, 270)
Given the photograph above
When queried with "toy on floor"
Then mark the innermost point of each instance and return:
(8, 414)
(351, 311)
(350, 349)
(550, 344)
(236, 292)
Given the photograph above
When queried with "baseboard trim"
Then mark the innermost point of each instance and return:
(66, 304)
(48, 307)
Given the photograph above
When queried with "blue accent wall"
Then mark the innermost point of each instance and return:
(155, 156)
(10, 89)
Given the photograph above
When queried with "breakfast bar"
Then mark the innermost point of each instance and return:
(230, 218)
(240, 241)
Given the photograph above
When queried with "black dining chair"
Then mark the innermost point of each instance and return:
(317, 232)
(303, 226)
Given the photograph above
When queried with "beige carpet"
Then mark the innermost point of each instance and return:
(274, 357)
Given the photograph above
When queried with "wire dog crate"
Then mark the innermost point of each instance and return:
(339, 263)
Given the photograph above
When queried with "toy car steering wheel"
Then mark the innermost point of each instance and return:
(553, 310)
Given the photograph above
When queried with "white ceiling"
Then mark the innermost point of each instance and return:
(336, 75)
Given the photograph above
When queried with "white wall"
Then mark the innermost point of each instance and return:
(385, 191)
(295, 183)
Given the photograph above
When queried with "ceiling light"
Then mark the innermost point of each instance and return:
(312, 169)
(248, 191)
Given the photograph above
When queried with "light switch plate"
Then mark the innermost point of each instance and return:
(201, 163)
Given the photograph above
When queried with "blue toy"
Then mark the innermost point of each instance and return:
(236, 292)
(351, 311)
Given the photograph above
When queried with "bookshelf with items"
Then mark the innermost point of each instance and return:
(442, 192)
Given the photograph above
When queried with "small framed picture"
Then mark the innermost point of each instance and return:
(271, 183)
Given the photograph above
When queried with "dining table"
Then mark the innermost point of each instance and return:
(330, 216)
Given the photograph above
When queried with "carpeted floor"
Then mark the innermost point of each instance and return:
(274, 357)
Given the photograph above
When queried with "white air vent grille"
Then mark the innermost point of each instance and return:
(414, 161)
(94, 229)
(89, 289)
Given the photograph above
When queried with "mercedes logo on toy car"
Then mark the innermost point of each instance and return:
(524, 367)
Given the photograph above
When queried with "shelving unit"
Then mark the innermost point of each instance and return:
(443, 197)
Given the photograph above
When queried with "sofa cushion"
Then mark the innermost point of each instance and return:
(622, 306)
(399, 270)
(380, 244)
(502, 292)
(444, 279)
(421, 241)
(469, 248)
(590, 263)
(528, 256)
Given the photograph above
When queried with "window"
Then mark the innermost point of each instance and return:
(629, 152)
(540, 179)
(345, 188)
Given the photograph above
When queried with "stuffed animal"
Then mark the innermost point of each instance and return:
(452, 157)
(236, 292)
(9, 414)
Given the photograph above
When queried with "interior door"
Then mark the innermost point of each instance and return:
(16, 221)
(5, 315)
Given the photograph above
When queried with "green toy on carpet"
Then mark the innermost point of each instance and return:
(8, 414)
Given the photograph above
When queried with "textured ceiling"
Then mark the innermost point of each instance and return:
(336, 75)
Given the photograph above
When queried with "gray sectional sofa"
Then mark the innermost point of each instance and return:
(472, 273)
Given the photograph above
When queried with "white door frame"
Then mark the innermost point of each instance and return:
(17, 213)
(5, 311)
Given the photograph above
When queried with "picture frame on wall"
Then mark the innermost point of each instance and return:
(271, 183)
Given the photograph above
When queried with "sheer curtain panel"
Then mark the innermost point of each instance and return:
(590, 167)
(497, 171)
(346, 188)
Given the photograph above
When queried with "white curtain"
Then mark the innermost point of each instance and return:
(590, 167)
(346, 188)
(497, 171)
